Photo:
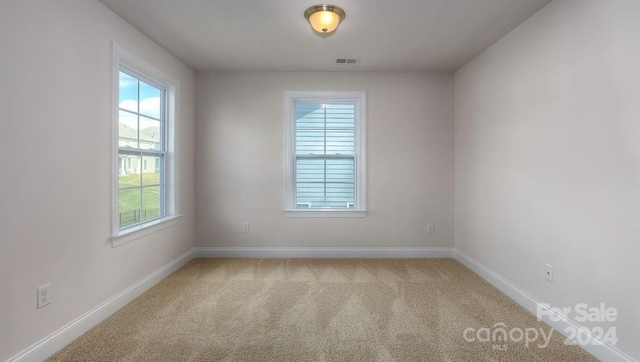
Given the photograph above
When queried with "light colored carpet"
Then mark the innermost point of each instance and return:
(318, 310)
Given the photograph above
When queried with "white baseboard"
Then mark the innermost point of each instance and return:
(324, 252)
(65, 335)
(598, 349)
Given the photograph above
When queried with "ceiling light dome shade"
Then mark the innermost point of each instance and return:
(324, 19)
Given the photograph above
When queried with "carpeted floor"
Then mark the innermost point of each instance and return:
(321, 310)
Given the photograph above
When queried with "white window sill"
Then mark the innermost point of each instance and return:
(325, 213)
(136, 232)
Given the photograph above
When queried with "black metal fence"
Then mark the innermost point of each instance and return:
(135, 216)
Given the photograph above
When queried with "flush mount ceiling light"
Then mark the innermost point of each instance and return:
(324, 19)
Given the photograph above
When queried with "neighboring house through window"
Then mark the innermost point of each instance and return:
(325, 157)
(144, 180)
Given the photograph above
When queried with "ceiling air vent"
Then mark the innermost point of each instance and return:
(348, 60)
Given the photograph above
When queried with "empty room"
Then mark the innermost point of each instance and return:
(280, 180)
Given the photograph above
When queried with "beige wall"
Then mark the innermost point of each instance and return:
(54, 190)
(240, 161)
(548, 158)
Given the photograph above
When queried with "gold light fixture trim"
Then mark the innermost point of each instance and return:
(324, 19)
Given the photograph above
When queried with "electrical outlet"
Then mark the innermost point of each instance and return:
(548, 272)
(245, 227)
(44, 295)
(430, 229)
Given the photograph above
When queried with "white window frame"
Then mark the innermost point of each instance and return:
(360, 204)
(124, 58)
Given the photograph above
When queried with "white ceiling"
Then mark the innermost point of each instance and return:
(272, 35)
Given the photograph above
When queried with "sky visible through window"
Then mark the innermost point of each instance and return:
(140, 131)
(149, 100)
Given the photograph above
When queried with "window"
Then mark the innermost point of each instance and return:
(144, 147)
(325, 157)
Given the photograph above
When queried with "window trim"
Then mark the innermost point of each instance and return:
(125, 58)
(359, 97)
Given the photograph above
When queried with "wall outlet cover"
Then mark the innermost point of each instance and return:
(44, 295)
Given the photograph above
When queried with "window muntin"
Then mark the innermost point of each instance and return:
(141, 143)
(325, 154)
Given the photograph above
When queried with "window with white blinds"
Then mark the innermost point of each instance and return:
(325, 155)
